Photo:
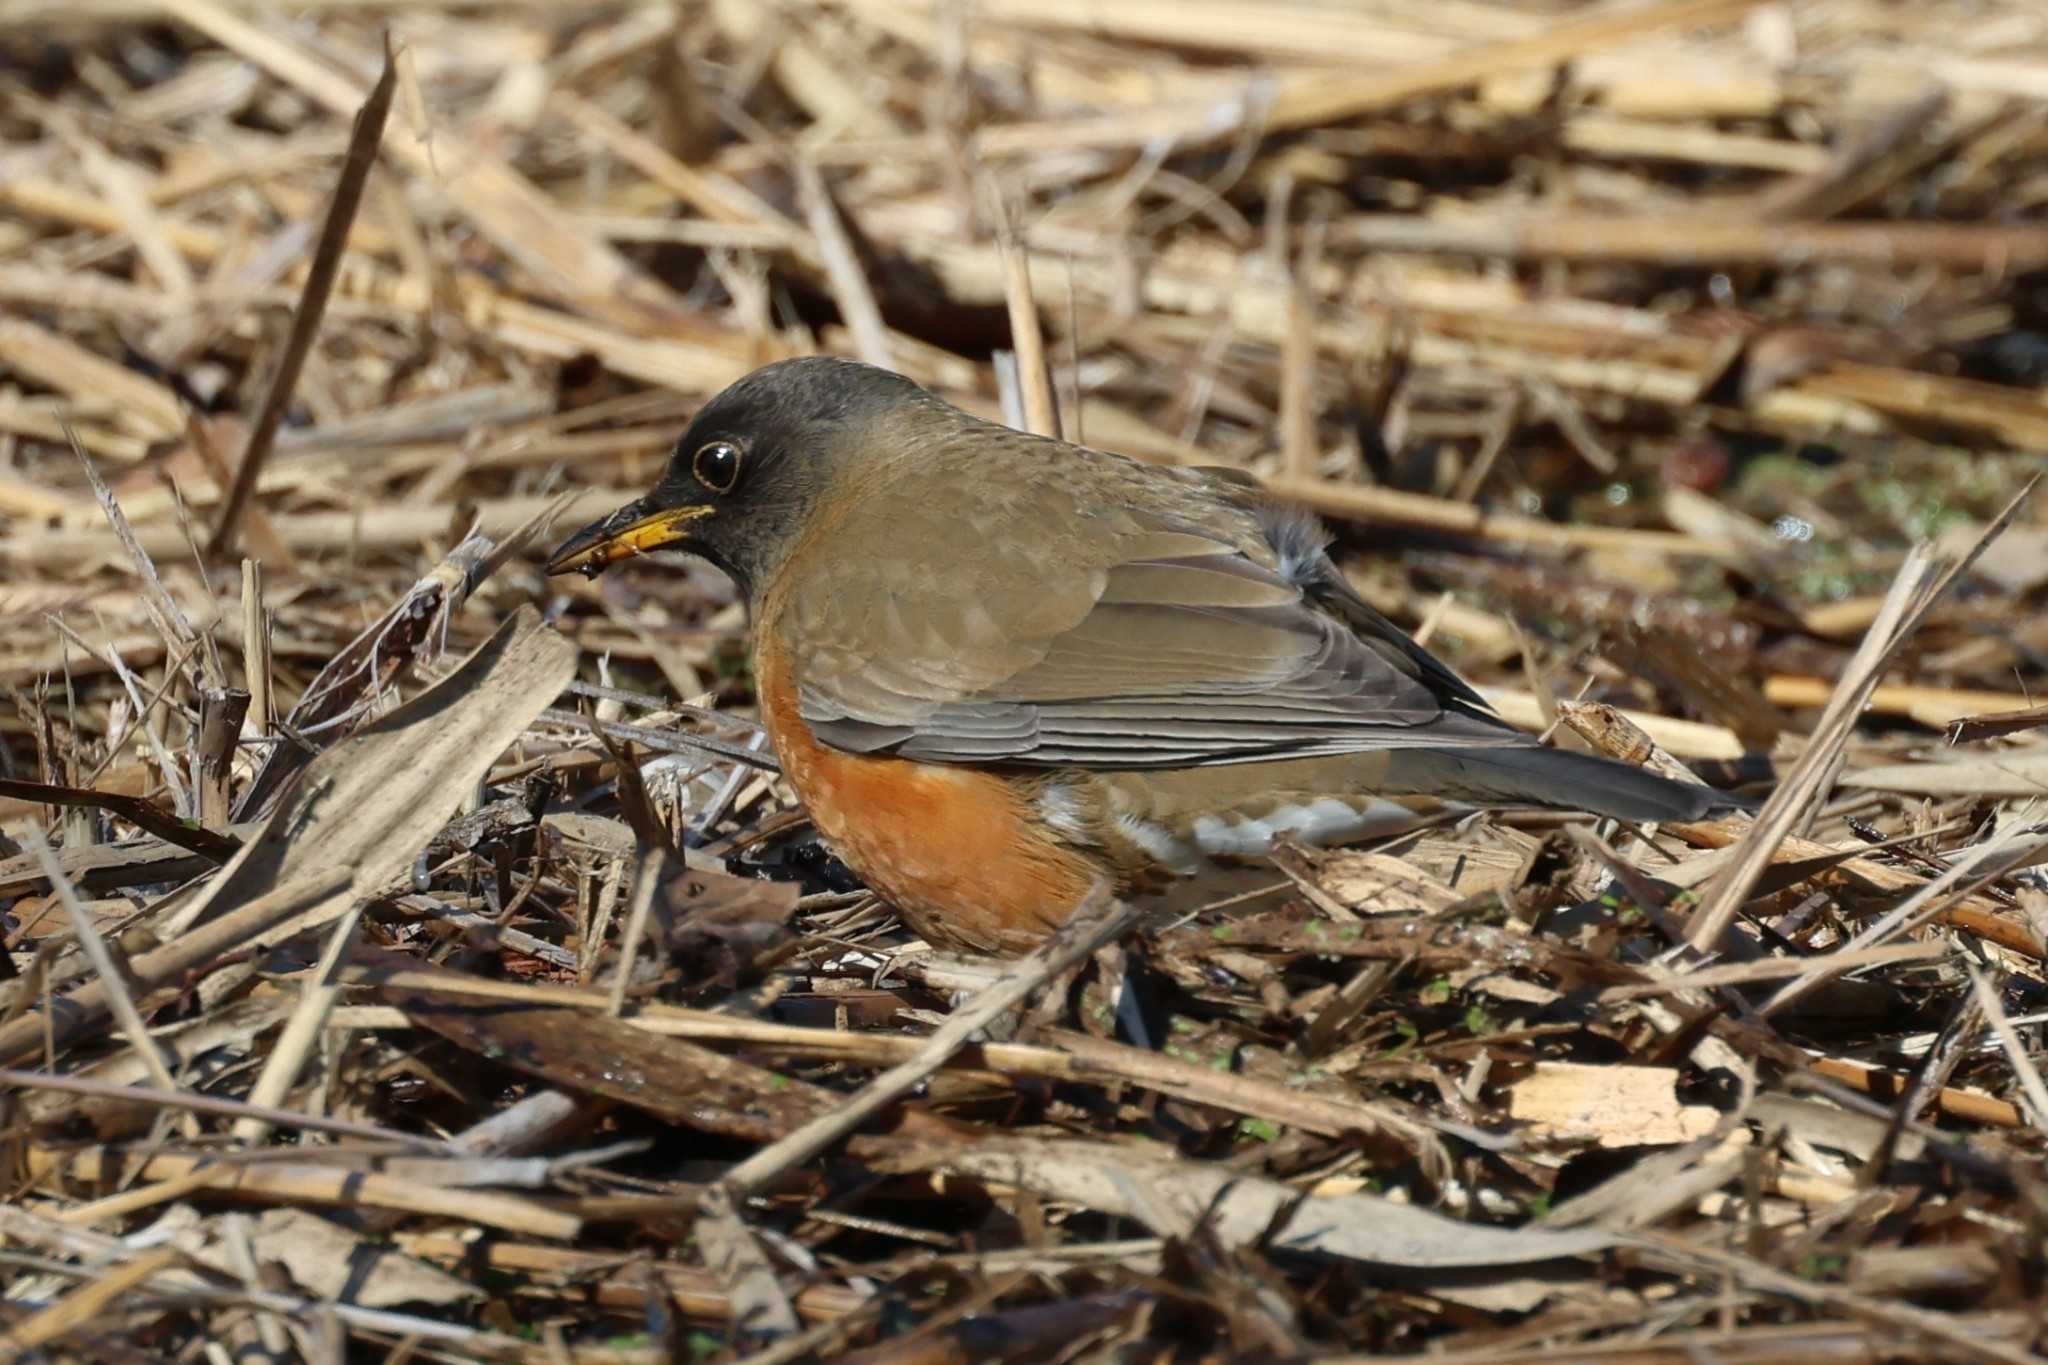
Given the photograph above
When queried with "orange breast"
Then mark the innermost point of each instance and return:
(958, 851)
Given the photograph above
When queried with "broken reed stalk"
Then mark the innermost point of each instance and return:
(1298, 453)
(1027, 337)
(843, 269)
(364, 139)
(221, 712)
(255, 648)
(1072, 1057)
(394, 528)
(647, 875)
(1921, 582)
(663, 741)
(1911, 592)
(337, 1184)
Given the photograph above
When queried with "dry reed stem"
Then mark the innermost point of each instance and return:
(121, 1001)
(339, 1186)
(843, 268)
(647, 875)
(1912, 592)
(367, 133)
(317, 1000)
(205, 1104)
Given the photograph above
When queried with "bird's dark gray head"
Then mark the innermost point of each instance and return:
(743, 481)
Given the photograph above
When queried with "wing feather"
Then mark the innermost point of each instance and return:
(1175, 633)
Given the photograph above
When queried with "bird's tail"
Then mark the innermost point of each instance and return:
(1536, 776)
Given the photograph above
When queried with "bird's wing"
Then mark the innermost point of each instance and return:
(1123, 636)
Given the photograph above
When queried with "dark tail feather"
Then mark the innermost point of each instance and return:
(1533, 776)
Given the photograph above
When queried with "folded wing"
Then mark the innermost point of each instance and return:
(1146, 644)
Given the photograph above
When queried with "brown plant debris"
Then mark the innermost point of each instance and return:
(410, 957)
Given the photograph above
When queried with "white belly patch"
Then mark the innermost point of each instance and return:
(1190, 847)
(1326, 820)
(1323, 821)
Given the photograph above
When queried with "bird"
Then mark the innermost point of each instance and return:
(998, 668)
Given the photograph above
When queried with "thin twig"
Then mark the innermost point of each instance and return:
(647, 877)
(364, 139)
(214, 1104)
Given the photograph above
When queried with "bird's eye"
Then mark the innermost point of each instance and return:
(717, 466)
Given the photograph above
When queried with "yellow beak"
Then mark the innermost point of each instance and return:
(634, 529)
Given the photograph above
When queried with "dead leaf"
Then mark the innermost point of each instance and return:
(330, 1262)
(1173, 1197)
(717, 928)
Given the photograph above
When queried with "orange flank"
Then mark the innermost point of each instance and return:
(956, 850)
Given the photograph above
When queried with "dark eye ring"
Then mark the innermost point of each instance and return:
(717, 465)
